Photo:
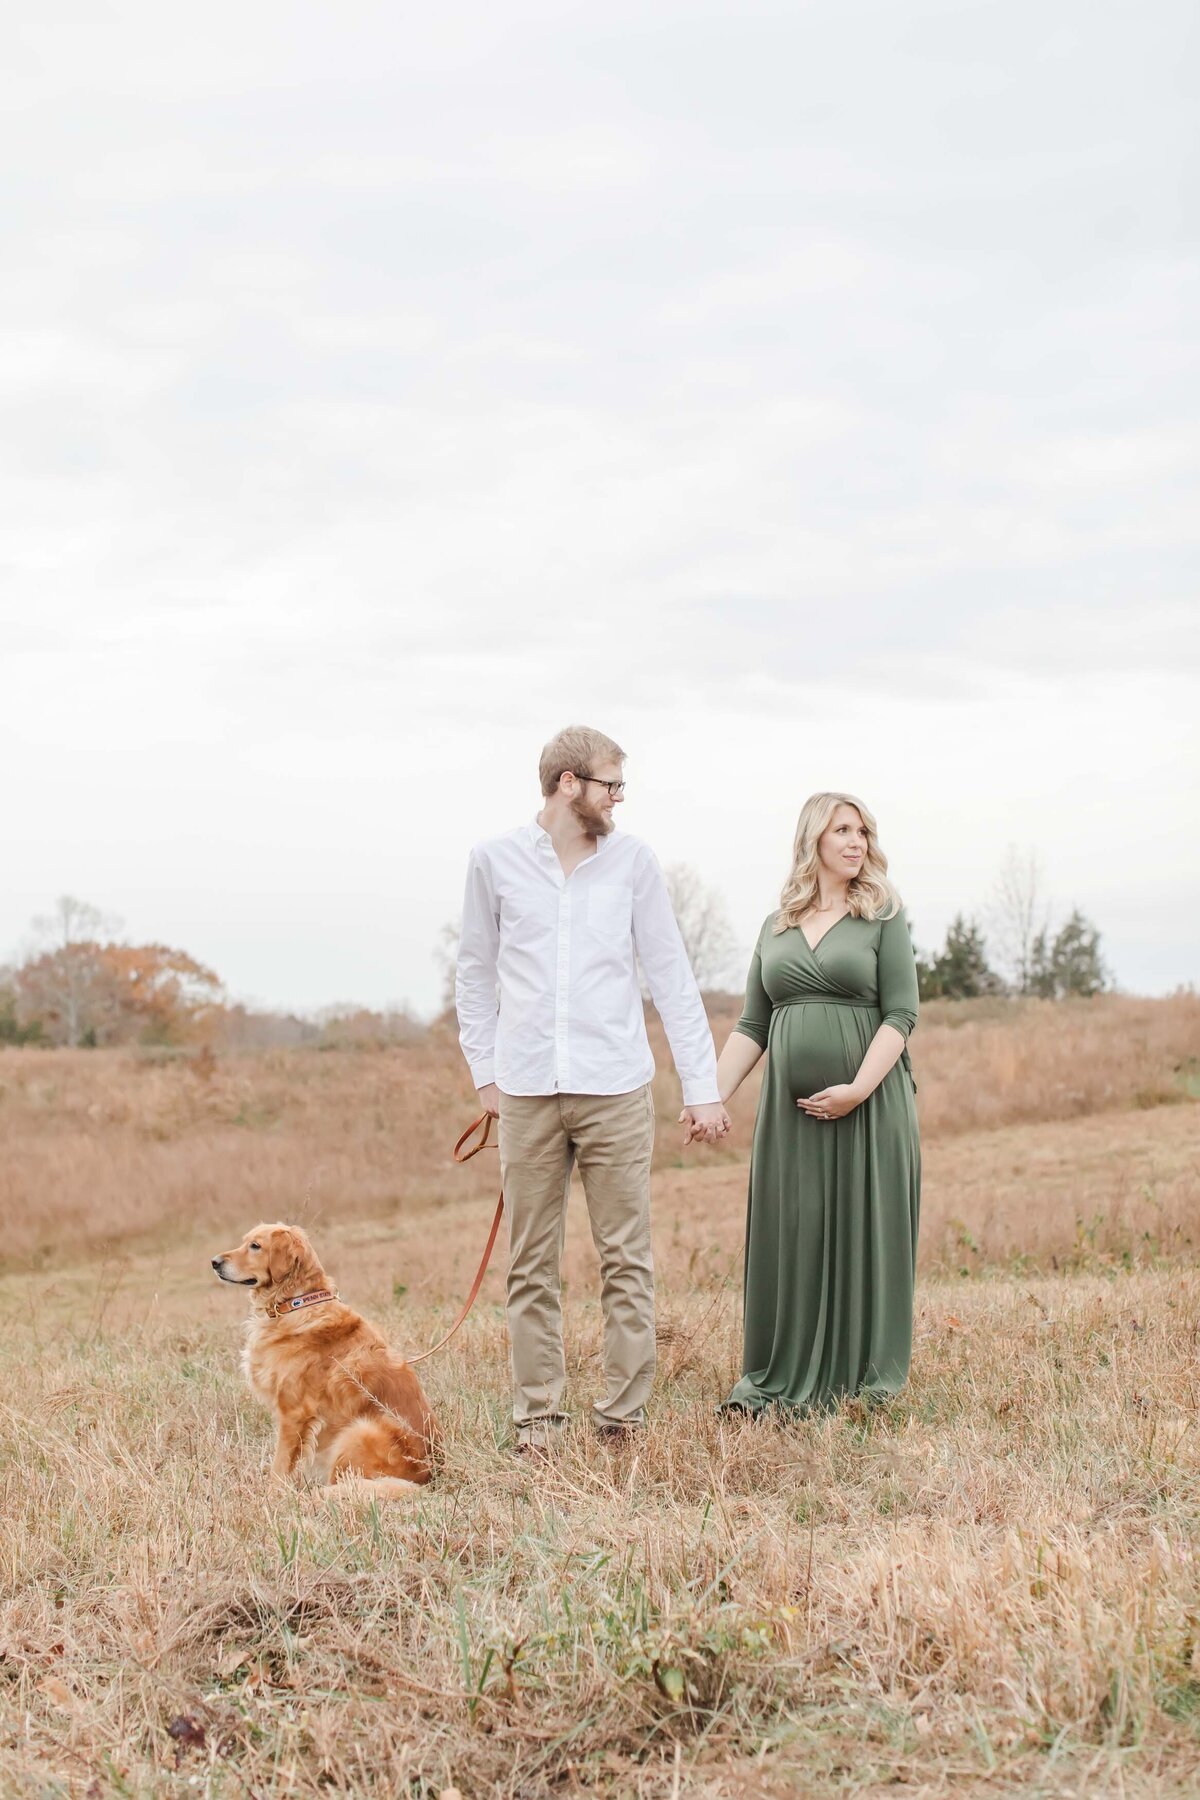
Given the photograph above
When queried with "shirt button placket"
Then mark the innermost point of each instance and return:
(562, 1061)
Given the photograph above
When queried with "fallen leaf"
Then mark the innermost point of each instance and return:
(57, 1691)
(187, 1732)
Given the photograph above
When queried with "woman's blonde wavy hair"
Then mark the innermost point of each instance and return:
(870, 895)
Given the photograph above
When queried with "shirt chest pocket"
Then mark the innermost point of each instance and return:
(610, 912)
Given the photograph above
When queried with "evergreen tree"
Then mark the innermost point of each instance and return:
(962, 968)
(959, 971)
(928, 987)
(928, 982)
(12, 1030)
(1070, 964)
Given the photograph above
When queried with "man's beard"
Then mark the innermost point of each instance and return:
(595, 823)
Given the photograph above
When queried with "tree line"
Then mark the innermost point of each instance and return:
(82, 986)
(1017, 952)
(1014, 948)
(1067, 963)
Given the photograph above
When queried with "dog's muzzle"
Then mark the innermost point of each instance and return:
(218, 1263)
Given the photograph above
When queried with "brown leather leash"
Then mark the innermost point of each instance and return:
(462, 1156)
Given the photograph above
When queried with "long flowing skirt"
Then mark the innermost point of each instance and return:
(831, 1223)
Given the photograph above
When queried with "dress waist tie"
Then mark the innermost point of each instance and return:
(826, 1000)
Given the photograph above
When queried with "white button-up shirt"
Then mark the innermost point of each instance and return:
(560, 948)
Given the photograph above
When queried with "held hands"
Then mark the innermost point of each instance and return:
(706, 1124)
(831, 1102)
(489, 1099)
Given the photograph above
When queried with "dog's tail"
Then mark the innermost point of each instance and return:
(368, 1488)
(379, 1450)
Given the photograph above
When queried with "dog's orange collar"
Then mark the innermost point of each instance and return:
(299, 1300)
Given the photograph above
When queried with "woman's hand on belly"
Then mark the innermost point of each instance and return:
(831, 1102)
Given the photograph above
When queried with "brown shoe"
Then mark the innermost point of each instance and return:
(540, 1439)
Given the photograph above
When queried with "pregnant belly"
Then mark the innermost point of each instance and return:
(822, 1046)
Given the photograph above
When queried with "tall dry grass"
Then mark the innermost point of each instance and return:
(99, 1149)
(989, 1587)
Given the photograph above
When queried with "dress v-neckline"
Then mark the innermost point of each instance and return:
(814, 947)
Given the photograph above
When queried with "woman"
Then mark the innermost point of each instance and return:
(835, 1172)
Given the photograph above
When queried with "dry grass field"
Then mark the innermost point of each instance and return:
(107, 1150)
(990, 1587)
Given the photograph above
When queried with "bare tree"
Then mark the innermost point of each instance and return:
(74, 922)
(708, 936)
(68, 982)
(445, 955)
(1017, 914)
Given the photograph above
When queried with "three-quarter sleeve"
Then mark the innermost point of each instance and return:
(755, 1021)
(897, 975)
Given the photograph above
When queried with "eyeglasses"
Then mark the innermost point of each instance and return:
(615, 788)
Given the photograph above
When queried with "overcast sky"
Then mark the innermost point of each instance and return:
(805, 394)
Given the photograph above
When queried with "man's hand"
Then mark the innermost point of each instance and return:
(489, 1099)
(705, 1124)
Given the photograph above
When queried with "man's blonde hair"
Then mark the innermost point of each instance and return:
(577, 749)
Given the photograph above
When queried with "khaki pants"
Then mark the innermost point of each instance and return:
(611, 1137)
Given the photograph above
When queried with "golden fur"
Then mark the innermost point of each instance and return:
(346, 1405)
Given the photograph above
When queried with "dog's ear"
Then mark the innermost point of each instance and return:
(308, 1266)
(283, 1255)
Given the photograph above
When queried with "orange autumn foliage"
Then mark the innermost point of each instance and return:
(93, 993)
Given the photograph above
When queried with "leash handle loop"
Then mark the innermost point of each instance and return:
(461, 1155)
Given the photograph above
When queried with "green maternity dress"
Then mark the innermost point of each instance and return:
(831, 1224)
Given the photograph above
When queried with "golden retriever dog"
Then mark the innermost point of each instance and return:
(346, 1405)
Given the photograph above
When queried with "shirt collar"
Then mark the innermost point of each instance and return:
(539, 838)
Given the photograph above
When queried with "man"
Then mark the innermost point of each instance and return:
(552, 916)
